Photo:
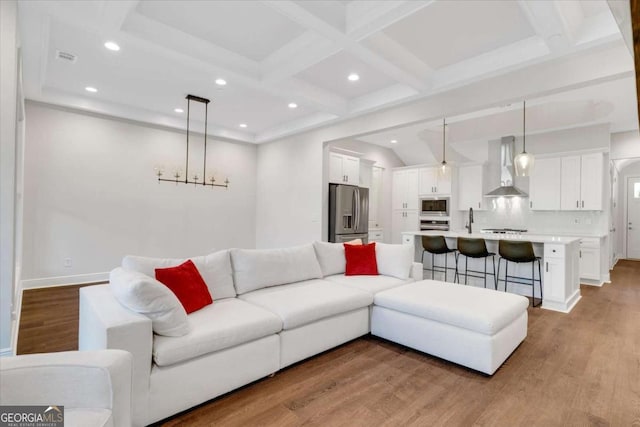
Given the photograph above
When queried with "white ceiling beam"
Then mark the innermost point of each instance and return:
(306, 19)
(549, 24)
(391, 49)
(170, 38)
(114, 14)
(170, 42)
(365, 18)
(296, 56)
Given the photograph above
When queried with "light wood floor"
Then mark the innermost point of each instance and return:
(580, 369)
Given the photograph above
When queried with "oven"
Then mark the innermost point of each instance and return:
(434, 206)
(434, 224)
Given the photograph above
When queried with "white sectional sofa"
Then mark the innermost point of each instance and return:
(271, 308)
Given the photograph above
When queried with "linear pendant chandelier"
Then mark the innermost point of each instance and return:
(195, 179)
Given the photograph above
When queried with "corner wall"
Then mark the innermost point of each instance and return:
(8, 103)
(91, 196)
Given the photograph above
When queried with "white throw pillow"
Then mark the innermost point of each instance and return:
(259, 268)
(142, 294)
(214, 268)
(394, 260)
(331, 257)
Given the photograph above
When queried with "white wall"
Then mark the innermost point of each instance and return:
(289, 196)
(91, 194)
(625, 145)
(383, 157)
(8, 89)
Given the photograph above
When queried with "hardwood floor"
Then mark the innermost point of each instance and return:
(580, 369)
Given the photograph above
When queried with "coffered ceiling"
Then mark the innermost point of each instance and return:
(273, 53)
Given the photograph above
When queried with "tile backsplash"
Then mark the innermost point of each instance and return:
(514, 213)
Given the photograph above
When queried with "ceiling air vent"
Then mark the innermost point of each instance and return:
(66, 56)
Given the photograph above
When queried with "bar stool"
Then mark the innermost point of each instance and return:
(437, 245)
(476, 248)
(520, 252)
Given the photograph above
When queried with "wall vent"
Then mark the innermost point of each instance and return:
(66, 56)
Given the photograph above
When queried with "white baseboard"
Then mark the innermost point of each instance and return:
(64, 280)
(4, 352)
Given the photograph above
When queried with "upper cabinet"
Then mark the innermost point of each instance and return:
(544, 188)
(568, 183)
(471, 187)
(581, 182)
(344, 169)
(430, 183)
(366, 173)
(375, 193)
(405, 189)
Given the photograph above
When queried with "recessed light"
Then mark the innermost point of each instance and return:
(394, 141)
(178, 110)
(221, 82)
(112, 46)
(353, 77)
(243, 125)
(293, 105)
(91, 89)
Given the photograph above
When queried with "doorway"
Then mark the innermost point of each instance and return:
(633, 217)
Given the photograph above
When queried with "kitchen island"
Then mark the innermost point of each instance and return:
(560, 263)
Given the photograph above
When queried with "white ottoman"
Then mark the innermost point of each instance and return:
(475, 327)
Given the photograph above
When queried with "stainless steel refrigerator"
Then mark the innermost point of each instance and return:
(348, 213)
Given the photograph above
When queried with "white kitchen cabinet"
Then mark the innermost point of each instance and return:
(471, 187)
(405, 189)
(591, 185)
(366, 173)
(544, 188)
(590, 259)
(431, 183)
(401, 221)
(581, 182)
(344, 169)
(376, 236)
(560, 272)
(375, 196)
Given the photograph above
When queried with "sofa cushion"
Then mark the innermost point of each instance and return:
(371, 284)
(259, 268)
(145, 295)
(186, 283)
(477, 309)
(361, 259)
(214, 268)
(221, 325)
(300, 303)
(394, 260)
(330, 257)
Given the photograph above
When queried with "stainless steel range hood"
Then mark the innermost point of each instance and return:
(506, 189)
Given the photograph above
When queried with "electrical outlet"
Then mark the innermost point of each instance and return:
(68, 263)
(576, 220)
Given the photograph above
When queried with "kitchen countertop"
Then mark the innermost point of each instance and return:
(534, 238)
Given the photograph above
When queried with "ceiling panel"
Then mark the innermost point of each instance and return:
(248, 28)
(448, 32)
(331, 74)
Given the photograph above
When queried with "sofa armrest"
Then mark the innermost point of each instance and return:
(417, 271)
(74, 379)
(107, 324)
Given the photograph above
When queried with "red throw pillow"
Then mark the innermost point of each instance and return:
(361, 260)
(186, 282)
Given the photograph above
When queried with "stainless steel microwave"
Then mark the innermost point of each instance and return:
(434, 206)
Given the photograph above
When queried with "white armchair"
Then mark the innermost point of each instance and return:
(93, 386)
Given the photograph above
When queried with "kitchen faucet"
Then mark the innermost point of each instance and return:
(468, 226)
